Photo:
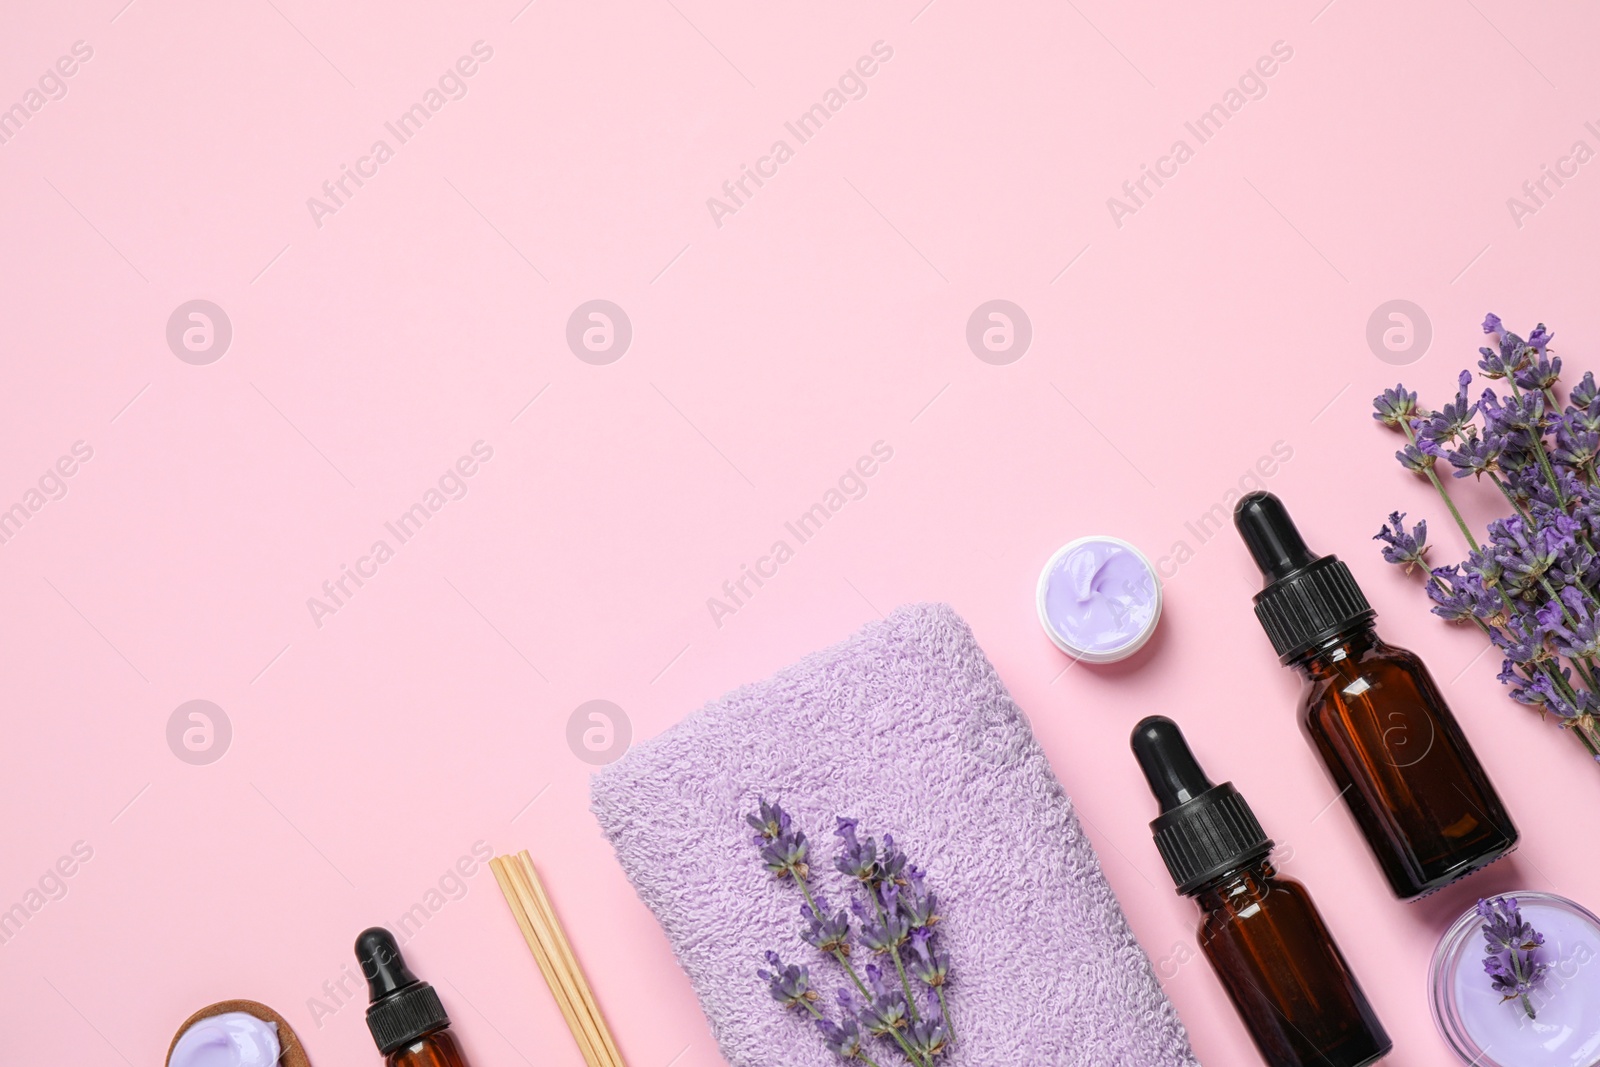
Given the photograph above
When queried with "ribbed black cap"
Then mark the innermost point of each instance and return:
(1204, 830)
(1309, 598)
(403, 1007)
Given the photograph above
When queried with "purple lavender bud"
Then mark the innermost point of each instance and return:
(1393, 407)
(884, 926)
(1414, 459)
(918, 902)
(883, 1017)
(786, 855)
(1491, 323)
(1511, 946)
(1448, 424)
(892, 862)
(1542, 693)
(843, 1041)
(928, 1037)
(1576, 446)
(1519, 640)
(927, 964)
(1514, 351)
(1476, 456)
(769, 821)
(874, 937)
(1585, 392)
(1540, 371)
(1403, 549)
(892, 1011)
(826, 935)
(1452, 594)
(886, 1013)
(877, 981)
(1548, 616)
(1518, 465)
(1537, 693)
(880, 936)
(789, 985)
(1524, 554)
(856, 858)
(1483, 566)
(1515, 415)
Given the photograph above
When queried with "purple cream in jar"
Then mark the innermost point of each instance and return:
(1486, 1030)
(1099, 599)
(232, 1039)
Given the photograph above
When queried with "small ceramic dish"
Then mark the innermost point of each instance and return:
(292, 1052)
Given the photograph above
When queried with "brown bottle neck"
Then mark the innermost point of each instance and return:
(1319, 660)
(436, 1048)
(1249, 879)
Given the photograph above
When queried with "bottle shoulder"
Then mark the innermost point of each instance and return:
(1375, 669)
(436, 1049)
(1272, 908)
(1248, 891)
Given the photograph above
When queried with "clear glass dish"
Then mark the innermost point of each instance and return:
(1483, 1030)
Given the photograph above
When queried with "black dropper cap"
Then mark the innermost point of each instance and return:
(1204, 830)
(1308, 598)
(403, 1007)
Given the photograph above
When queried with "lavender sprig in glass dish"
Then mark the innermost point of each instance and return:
(1510, 945)
(1533, 587)
(894, 917)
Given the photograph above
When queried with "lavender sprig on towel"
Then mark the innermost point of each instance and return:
(1510, 945)
(895, 914)
(1532, 587)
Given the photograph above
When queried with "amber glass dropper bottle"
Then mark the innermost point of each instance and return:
(406, 1019)
(1260, 930)
(1373, 713)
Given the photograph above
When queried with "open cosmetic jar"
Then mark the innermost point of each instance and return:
(1486, 1029)
(1099, 599)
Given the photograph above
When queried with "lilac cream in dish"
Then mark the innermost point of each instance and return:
(1515, 982)
(232, 1039)
(1099, 599)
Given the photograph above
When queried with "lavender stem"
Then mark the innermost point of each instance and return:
(944, 1010)
(1443, 492)
(894, 951)
(845, 962)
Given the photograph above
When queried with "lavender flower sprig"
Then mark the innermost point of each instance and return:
(895, 913)
(1533, 587)
(789, 985)
(1510, 945)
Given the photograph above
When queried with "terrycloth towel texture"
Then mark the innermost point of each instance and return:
(907, 727)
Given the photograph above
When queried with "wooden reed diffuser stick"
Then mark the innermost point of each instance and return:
(530, 906)
(565, 948)
(501, 865)
(563, 972)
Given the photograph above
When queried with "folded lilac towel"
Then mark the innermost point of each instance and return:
(907, 727)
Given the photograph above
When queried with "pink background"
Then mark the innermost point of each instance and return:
(1169, 354)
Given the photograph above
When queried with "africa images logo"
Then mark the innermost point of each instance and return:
(451, 85)
(1251, 85)
(852, 85)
